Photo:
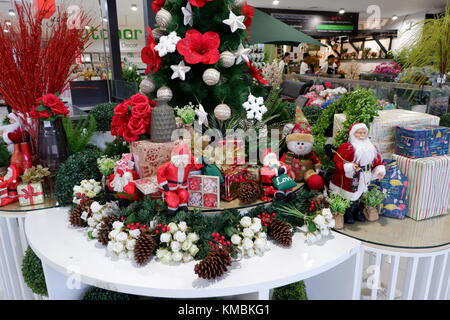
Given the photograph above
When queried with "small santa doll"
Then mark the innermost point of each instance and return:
(272, 168)
(13, 132)
(172, 178)
(122, 180)
(357, 162)
(301, 158)
(8, 186)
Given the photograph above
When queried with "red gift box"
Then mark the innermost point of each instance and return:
(232, 176)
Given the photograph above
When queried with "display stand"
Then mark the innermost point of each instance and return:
(72, 263)
(13, 244)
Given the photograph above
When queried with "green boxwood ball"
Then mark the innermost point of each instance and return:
(103, 114)
(79, 166)
(33, 274)
(95, 293)
(293, 291)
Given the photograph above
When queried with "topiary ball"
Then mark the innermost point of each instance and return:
(79, 166)
(33, 274)
(293, 291)
(103, 114)
(101, 294)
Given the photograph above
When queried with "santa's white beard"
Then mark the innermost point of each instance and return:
(271, 162)
(180, 162)
(365, 151)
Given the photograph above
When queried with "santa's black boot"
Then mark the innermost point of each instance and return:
(171, 213)
(358, 213)
(279, 195)
(348, 216)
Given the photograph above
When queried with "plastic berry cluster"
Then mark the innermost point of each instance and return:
(137, 225)
(218, 241)
(266, 218)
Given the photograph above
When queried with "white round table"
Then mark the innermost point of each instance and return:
(71, 263)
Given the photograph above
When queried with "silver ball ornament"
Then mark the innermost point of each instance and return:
(146, 86)
(227, 59)
(159, 32)
(222, 112)
(163, 18)
(164, 93)
(211, 76)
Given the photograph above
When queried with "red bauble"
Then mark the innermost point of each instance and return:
(149, 55)
(315, 182)
(248, 11)
(199, 3)
(199, 48)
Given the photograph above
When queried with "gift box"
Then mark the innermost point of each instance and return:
(149, 187)
(383, 128)
(428, 185)
(420, 141)
(149, 156)
(230, 151)
(204, 191)
(233, 176)
(30, 194)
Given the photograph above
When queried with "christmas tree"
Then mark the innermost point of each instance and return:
(198, 50)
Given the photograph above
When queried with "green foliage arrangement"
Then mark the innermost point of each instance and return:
(79, 166)
(293, 291)
(312, 114)
(337, 203)
(106, 165)
(95, 293)
(79, 135)
(187, 113)
(130, 74)
(102, 114)
(4, 155)
(116, 148)
(373, 197)
(445, 120)
(33, 274)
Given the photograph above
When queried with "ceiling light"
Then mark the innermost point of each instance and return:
(105, 20)
(11, 12)
(341, 11)
(275, 2)
(394, 17)
(134, 7)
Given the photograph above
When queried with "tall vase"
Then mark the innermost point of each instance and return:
(17, 157)
(53, 150)
(26, 153)
(163, 122)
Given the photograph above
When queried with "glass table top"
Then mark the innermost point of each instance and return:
(14, 209)
(406, 233)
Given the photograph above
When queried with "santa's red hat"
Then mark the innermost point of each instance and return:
(301, 130)
(355, 127)
(181, 150)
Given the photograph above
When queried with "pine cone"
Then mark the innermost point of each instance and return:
(144, 248)
(214, 265)
(105, 228)
(280, 231)
(249, 191)
(75, 215)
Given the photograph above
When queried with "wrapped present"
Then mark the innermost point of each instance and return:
(428, 185)
(204, 191)
(149, 156)
(149, 187)
(30, 194)
(253, 172)
(233, 176)
(230, 151)
(383, 128)
(420, 141)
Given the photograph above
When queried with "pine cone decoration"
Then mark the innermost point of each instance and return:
(214, 265)
(105, 228)
(280, 231)
(249, 191)
(77, 212)
(144, 248)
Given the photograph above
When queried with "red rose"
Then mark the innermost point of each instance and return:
(255, 73)
(50, 100)
(137, 126)
(121, 109)
(45, 114)
(129, 136)
(149, 55)
(199, 48)
(34, 114)
(157, 5)
(152, 103)
(248, 11)
(139, 98)
(141, 110)
(199, 3)
(60, 109)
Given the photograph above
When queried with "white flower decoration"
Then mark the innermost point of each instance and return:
(173, 227)
(255, 227)
(112, 235)
(236, 239)
(165, 237)
(182, 226)
(193, 237)
(179, 236)
(175, 246)
(117, 247)
(177, 256)
(130, 244)
(248, 233)
(246, 222)
(121, 236)
(135, 233)
(167, 44)
(260, 243)
(250, 252)
(193, 250)
(186, 245)
(161, 252)
(187, 257)
(247, 243)
(117, 225)
(167, 258)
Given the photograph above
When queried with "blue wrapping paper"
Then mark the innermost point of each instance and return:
(420, 141)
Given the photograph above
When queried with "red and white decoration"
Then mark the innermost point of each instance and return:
(272, 167)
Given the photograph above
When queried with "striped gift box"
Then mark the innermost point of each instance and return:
(429, 185)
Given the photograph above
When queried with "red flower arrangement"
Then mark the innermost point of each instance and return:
(149, 55)
(157, 5)
(255, 73)
(248, 11)
(132, 118)
(49, 108)
(199, 48)
(199, 3)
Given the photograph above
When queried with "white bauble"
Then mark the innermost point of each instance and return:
(222, 112)
(164, 93)
(163, 18)
(227, 59)
(211, 76)
(146, 86)
(159, 32)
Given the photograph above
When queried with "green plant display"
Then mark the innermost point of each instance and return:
(106, 165)
(445, 120)
(95, 293)
(79, 166)
(337, 203)
(79, 135)
(187, 113)
(373, 198)
(130, 74)
(103, 114)
(116, 148)
(293, 291)
(33, 274)
(4, 155)
(312, 114)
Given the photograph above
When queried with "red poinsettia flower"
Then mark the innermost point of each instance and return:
(248, 11)
(149, 55)
(199, 48)
(157, 5)
(199, 3)
(255, 73)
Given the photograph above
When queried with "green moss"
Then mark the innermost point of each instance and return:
(103, 114)
(293, 291)
(101, 294)
(33, 274)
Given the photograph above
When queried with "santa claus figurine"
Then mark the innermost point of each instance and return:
(301, 158)
(172, 178)
(271, 169)
(357, 162)
(13, 132)
(122, 180)
(8, 186)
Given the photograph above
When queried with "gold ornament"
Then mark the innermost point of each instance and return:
(227, 59)
(35, 174)
(222, 112)
(211, 76)
(163, 18)
(164, 93)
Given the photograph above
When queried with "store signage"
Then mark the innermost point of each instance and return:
(317, 23)
(124, 34)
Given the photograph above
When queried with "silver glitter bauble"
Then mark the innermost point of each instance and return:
(211, 76)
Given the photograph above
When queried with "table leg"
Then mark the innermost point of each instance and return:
(60, 286)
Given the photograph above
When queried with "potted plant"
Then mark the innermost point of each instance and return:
(365, 53)
(372, 201)
(338, 205)
(103, 114)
